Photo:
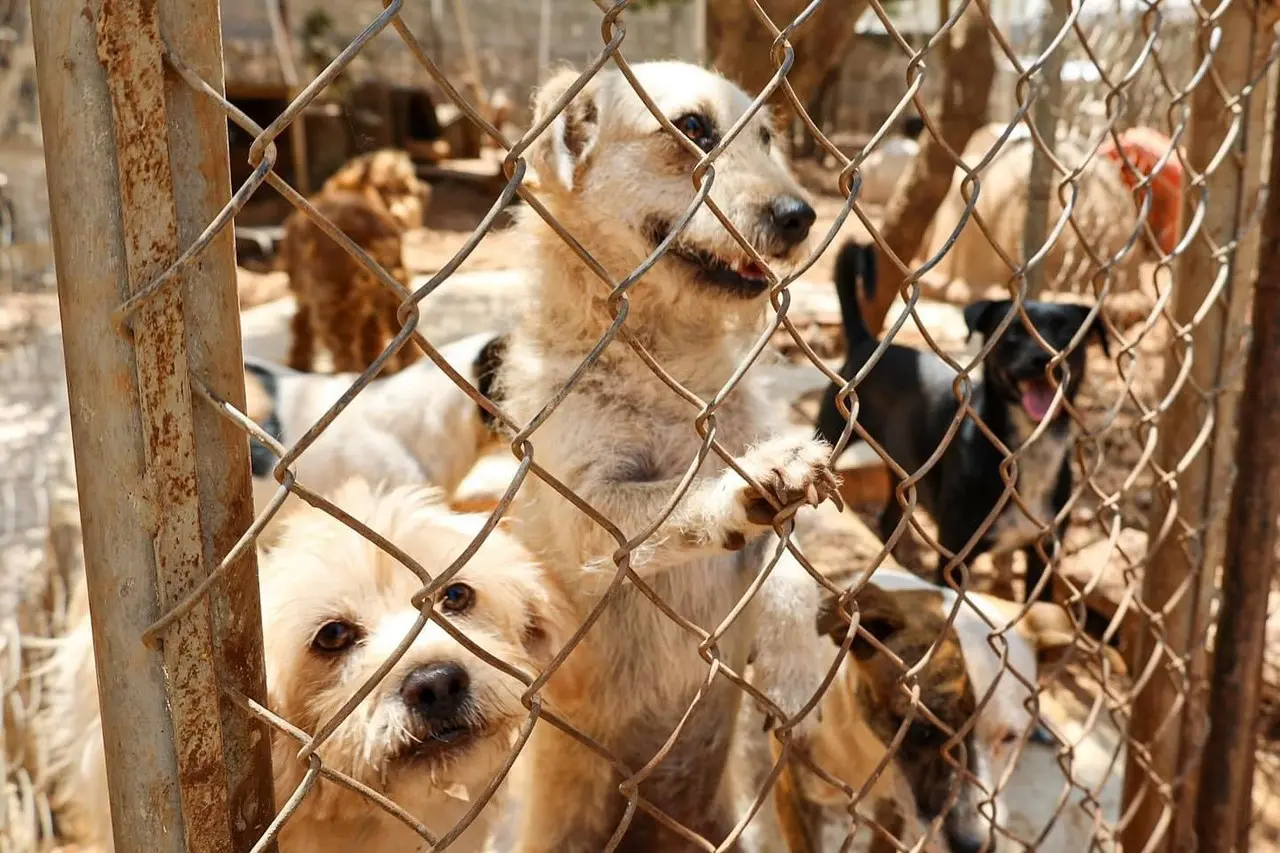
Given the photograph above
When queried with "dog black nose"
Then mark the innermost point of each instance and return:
(959, 844)
(964, 843)
(792, 218)
(437, 691)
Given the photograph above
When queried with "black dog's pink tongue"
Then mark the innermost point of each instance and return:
(1036, 399)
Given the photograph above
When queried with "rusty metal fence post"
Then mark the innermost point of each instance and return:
(1167, 721)
(137, 169)
(1226, 776)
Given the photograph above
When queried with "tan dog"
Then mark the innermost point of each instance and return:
(342, 307)
(433, 731)
(940, 771)
(968, 688)
(622, 441)
(387, 178)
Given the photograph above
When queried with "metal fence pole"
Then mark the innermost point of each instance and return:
(1167, 718)
(1226, 776)
(163, 480)
(700, 31)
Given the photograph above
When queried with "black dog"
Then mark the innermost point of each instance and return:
(907, 405)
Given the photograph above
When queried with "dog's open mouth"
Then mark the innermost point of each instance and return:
(1036, 396)
(743, 277)
(444, 740)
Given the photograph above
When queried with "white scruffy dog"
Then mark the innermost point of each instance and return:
(435, 729)
(622, 440)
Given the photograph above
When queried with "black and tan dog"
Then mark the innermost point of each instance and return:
(907, 406)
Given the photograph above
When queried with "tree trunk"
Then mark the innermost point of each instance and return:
(968, 69)
(1041, 185)
(741, 46)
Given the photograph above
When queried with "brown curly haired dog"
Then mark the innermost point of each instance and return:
(387, 177)
(343, 307)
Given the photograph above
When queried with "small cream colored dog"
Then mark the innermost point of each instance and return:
(611, 174)
(434, 730)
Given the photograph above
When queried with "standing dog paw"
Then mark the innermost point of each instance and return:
(790, 469)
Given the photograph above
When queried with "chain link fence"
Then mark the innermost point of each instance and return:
(1076, 752)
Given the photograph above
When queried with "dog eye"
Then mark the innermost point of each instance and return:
(766, 138)
(336, 636)
(457, 598)
(698, 129)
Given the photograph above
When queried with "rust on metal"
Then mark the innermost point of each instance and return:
(202, 191)
(130, 48)
(1224, 809)
(1168, 720)
(116, 510)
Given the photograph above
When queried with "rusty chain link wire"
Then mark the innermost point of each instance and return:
(1154, 360)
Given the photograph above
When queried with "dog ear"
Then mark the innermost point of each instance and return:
(549, 623)
(1098, 329)
(568, 141)
(879, 615)
(984, 315)
(351, 176)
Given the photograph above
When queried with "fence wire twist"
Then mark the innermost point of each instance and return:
(1164, 335)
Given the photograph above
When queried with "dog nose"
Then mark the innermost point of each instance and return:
(792, 218)
(965, 843)
(437, 691)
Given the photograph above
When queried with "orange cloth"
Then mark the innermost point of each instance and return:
(1144, 147)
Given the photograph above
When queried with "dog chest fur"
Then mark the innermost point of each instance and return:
(590, 427)
(1039, 464)
(637, 671)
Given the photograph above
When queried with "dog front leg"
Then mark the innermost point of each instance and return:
(703, 524)
(717, 514)
(791, 658)
(1035, 563)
